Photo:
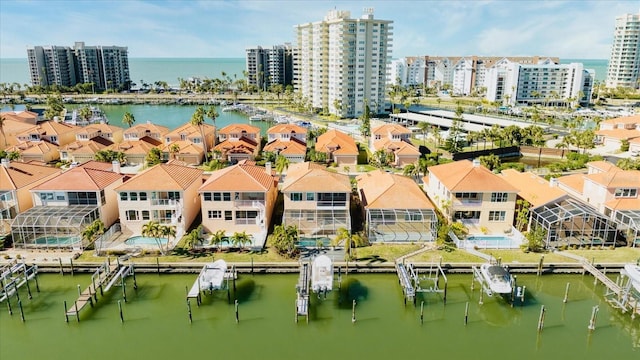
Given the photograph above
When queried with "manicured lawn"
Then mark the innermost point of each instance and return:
(455, 256)
(619, 255)
(176, 256)
(518, 256)
(384, 252)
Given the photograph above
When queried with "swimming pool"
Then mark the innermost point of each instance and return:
(313, 242)
(56, 240)
(491, 242)
(143, 240)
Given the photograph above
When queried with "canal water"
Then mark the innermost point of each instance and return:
(156, 322)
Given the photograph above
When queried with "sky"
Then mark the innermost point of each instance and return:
(225, 28)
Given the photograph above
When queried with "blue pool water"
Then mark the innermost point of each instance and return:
(143, 240)
(492, 242)
(56, 240)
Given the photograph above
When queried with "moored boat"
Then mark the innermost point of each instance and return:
(497, 278)
(633, 272)
(322, 274)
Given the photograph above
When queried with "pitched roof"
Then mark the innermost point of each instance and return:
(460, 176)
(309, 176)
(163, 177)
(51, 128)
(291, 147)
(286, 129)
(142, 146)
(189, 130)
(239, 128)
(619, 133)
(623, 204)
(634, 119)
(390, 129)
(81, 178)
(382, 190)
(240, 177)
(148, 126)
(242, 145)
(616, 179)
(103, 128)
(186, 147)
(574, 182)
(33, 147)
(533, 188)
(85, 147)
(397, 146)
(602, 166)
(24, 116)
(18, 174)
(336, 139)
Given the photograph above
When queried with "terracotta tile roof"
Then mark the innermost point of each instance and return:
(382, 190)
(142, 129)
(616, 179)
(286, 129)
(142, 146)
(533, 188)
(397, 146)
(240, 177)
(81, 178)
(603, 166)
(462, 176)
(336, 139)
(25, 116)
(239, 128)
(96, 165)
(243, 145)
(163, 177)
(291, 147)
(18, 174)
(189, 130)
(634, 119)
(51, 128)
(635, 140)
(623, 204)
(186, 147)
(308, 176)
(33, 147)
(393, 129)
(85, 147)
(574, 182)
(103, 128)
(619, 134)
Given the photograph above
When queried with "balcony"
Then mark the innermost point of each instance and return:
(331, 204)
(249, 203)
(164, 202)
(467, 202)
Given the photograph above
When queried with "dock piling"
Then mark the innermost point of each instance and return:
(421, 312)
(61, 269)
(133, 273)
(15, 288)
(9, 306)
(124, 289)
(66, 316)
(72, 269)
(541, 318)
(541, 265)
(189, 310)
(158, 265)
(21, 311)
(75, 304)
(480, 301)
(566, 293)
(466, 313)
(237, 317)
(594, 315)
(353, 311)
(120, 310)
(524, 289)
(37, 285)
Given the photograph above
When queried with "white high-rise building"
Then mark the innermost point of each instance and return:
(340, 63)
(624, 63)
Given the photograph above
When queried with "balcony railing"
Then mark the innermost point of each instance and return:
(467, 202)
(155, 202)
(331, 204)
(249, 221)
(248, 203)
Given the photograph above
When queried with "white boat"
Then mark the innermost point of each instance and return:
(212, 275)
(257, 117)
(97, 117)
(497, 277)
(633, 272)
(322, 274)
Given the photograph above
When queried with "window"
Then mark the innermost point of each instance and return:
(133, 196)
(311, 196)
(124, 196)
(145, 215)
(132, 215)
(626, 192)
(143, 196)
(214, 214)
(228, 215)
(217, 196)
(497, 215)
(296, 196)
(46, 196)
(499, 197)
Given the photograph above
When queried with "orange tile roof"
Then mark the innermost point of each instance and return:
(397, 146)
(103, 128)
(97, 165)
(137, 147)
(623, 204)
(163, 177)
(308, 176)
(286, 129)
(461, 176)
(25, 116)
(243, 145)
(291, 147)
(33, 147)
(382, 190)
(240, 177)
(81, 178)
(616, 179)
(141, 129)
(393, 129)
(51, 128)
(189, 130)
(186, 147)
(336, 139)
(619, 133)
(574, 182)
(602, 166)
(533, 188)
(239, 128)
(83, 147)
(634, 119)
(18, 174)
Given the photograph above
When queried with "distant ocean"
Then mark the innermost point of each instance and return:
(170, 69)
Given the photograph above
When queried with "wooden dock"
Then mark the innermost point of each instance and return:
(104, 274)
(302, 290)
(617, 295)
(15, 275)
(405, 282)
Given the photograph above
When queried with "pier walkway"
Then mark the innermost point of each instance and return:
(405, 282)
(302, 289)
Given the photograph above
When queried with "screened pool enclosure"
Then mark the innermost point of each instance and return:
(57, 227)
(401, 225)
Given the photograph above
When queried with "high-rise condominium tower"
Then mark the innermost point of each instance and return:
(266, 67)
(107, 67)
(340, 63)
(624, 64)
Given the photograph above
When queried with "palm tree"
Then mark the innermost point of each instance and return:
(218, 238)
(282, 163)
(167, 232)
(239, 239)
(350, 241)
(212, 114)
(194, 238)
(2, 120)
(128, 119)
(424, 129)
(85, 113)
(174, 149)
(93, 231)
(410, 170)
(197, 119)
(152, 230)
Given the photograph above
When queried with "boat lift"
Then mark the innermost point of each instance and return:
(221, 283)
(412, 282)
(516, 292)
(623, 296)
(15, 275)
(302, 290)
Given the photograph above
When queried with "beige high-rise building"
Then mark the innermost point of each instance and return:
(340, 63)
(624, 63)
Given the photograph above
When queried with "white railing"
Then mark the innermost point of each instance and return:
(104, 238)
(249, 203)
(156, 202)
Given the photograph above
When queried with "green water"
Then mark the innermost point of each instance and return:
(157, 326)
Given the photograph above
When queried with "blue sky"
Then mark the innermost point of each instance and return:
(217, 28)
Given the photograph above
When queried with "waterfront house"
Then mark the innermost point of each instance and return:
(64, 205)
(288, 140)
(23, 116)
(148, 129)
(239, 198)
(238, 142)
(89, 140)
(395, 208)
(135, 151)
(468, 192)
(40, 151)
(613, 132)
(50, 131)
(189, 140)
(166, 193)
(394, 139)
(16, 181)
(338, 147)
(317, 201)
(10, 129)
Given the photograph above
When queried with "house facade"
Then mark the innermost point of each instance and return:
(237, 142)
(394, 139)
(288, 140)
(189, 142)
(339, 148)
